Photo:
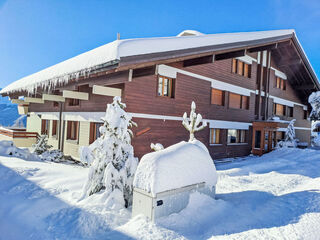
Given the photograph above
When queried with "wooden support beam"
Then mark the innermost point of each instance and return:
(106, 91)
(33, 100)
(75, 95)
(228, 55)
(130, 75)
(19, 101)
(263, 48)
(53, 98)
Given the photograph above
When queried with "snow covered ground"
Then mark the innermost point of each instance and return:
(276, 196)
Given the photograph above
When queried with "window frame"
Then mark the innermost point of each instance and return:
(73, 130)
(45, 126)
(170, 89)
(240, 136)
(54, 128)
(245, 68)
(94, 130)
(241, 103)
(215, 136)
(280, 83)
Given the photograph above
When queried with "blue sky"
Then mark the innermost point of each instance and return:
(38, 34)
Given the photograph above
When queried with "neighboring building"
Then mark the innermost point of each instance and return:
(239, 81)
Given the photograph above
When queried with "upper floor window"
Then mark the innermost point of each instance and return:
(74, 102)
(280, 83)
(238, 101)
(166, 86)
(215, 136)
(217, 97)
(54, 127)
(279, 109)
(94, 131)
(72, 130)
(45, 127)
(290, 111)
(236, 136)
(241, 68)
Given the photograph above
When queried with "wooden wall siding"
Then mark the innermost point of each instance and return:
(161, 132)
(221, 70)
(141, 97)
(289, 93)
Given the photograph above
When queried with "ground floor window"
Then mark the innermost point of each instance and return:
(236, 136)
(45, 127)
(215, 136)
(54, 127)
(94, 131)
(72, 130)
(280, 136)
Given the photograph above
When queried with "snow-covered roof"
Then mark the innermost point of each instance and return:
(112, 53)
(177, 166)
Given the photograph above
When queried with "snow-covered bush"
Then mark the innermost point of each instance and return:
(195, 120)
(53, 156)
(111, 159)
(7, 148)
(156, 146)
(290, 136)
(314, 100)
(41, 146)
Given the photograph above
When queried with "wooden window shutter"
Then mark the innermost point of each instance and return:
(217, 97)
(234, 65)
(240, 67)
(234, 100)
(246, 70)
(245, 102)
(92, 133)
(69, 123)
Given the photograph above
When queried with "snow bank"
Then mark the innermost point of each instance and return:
(7, 148)
(179, 165)
(111, 53)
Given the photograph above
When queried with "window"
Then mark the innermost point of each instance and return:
(74, 102)
(94, 131)
(257, 140)
(214, 136)
(72, 130)
(290, 111)
(236, 136)
(280, 83)
(238, 101)
(241, 68)
(55, 104)
(54, 127)
(165, 87)
(305, 114)
(44, 127)
(217, 97)
(279, 109)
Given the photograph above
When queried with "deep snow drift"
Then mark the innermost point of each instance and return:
(276, 196)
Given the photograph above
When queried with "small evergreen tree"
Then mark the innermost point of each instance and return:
(112, 161)
(195, 120)
(41, 146)
(290, 136)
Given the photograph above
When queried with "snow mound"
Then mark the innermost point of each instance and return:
(179, 165)
(7, 148)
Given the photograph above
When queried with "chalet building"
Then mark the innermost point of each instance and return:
(247, 86)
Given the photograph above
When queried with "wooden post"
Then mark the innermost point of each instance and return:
(60, 140)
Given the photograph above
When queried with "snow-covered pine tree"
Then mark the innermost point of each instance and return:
(113, 163)
(314, 100)
(290, 135)
(195, 120)
(41, 146)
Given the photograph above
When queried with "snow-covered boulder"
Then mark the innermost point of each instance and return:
(166, 178)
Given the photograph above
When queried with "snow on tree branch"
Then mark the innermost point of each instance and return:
(314, 100)
(113, 164)
(195, 120)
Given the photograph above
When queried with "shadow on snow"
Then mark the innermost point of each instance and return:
(30, 212)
